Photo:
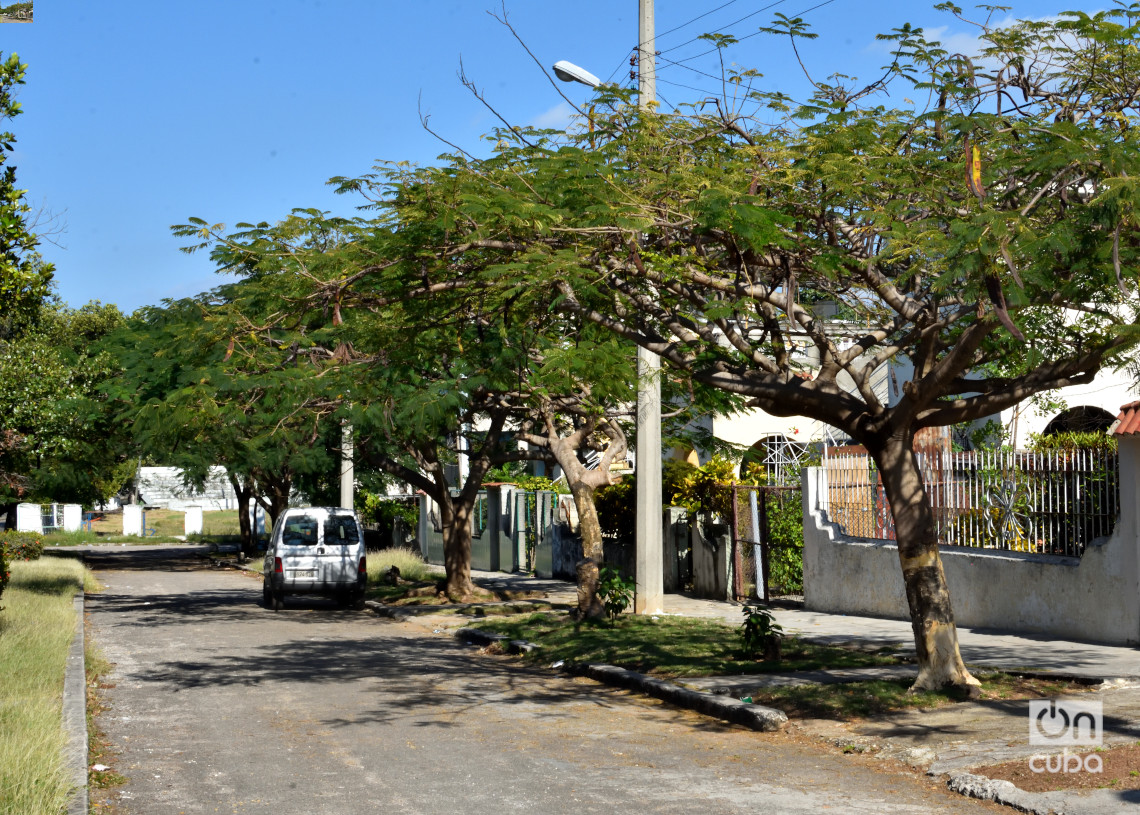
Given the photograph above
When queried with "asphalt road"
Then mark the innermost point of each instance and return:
(219, 705)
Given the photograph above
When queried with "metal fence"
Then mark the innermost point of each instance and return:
(51, 517)
(1053, 502)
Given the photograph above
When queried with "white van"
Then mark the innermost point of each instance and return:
(315, 550)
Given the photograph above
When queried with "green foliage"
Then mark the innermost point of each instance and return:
(786, 535)
(540, 483)
(760, 634)
(707, 490)
(615, 591)
(52, 402)
(21, 545)
(24, 277)
(1072, 441)
(386, 513)
(617, 503)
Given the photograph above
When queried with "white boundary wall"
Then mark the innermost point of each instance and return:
(1095, 597)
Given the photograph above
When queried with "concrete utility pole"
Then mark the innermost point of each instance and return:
(347, 470)
(649, 586)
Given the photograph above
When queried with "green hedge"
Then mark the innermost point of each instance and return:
(17, 546)
(22, 545)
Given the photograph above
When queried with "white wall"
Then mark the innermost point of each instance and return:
(162, 487)
(1095, 597)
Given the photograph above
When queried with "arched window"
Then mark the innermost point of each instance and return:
(1083, 419)
(778, 455)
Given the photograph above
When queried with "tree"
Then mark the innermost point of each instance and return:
(24, 277)
(982, 247)
(198, 393)
(60, 434)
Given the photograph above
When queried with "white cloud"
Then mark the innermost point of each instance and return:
(560, 117)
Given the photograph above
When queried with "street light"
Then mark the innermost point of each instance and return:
(569, 72)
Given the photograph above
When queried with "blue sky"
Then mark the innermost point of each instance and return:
(140, 115)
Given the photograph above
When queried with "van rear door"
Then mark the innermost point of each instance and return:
(340, 549)
(300, 537)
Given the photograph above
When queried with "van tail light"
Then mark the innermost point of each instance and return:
(277, 566)
(362, 570)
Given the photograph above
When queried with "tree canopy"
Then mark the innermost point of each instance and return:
(967, 223)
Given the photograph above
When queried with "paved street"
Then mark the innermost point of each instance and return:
(221, 706)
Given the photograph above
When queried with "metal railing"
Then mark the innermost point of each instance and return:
(51, 517)
(1054, 502)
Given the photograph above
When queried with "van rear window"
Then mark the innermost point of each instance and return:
(341, 529)
(300, 530)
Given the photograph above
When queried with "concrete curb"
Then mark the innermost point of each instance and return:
(1005, 793)
(75, 715)
(755, 717)
(391, 612)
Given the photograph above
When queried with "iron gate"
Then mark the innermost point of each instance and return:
(767, 543)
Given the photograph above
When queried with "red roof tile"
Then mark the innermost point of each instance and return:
(1128, 422)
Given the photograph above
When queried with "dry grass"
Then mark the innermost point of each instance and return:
(36, 627)
(408, 561)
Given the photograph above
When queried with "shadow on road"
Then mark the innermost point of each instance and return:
(406, 673)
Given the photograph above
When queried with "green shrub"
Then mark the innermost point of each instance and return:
(22, 545)
(760, 634)
(617, 503)
(615, 591)
(786, 536)
(5, 575)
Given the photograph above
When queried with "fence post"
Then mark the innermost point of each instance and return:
(132, 520)
(735, 561)
(758, 559)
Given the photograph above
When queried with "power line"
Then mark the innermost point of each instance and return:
(690, 68)
(688, 87)
(746, 36)
(734, 22)
(699, 16)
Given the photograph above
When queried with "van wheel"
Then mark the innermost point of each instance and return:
(357, 601)
(266, 596)
(278, 600)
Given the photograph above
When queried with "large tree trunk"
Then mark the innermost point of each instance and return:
(243, 494)
(935, 635)
(593, 551)
(455, 518)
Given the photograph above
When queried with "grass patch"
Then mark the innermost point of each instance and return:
(415, 575)
(408, 561)
(671, 646)
(220, 526)
(858, 700)
(679, 646)
(37, 624)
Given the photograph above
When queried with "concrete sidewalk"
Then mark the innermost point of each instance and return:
(948, 741)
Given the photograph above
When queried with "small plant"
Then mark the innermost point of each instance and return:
(22, 545)
(615, 591)
(760, 634)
